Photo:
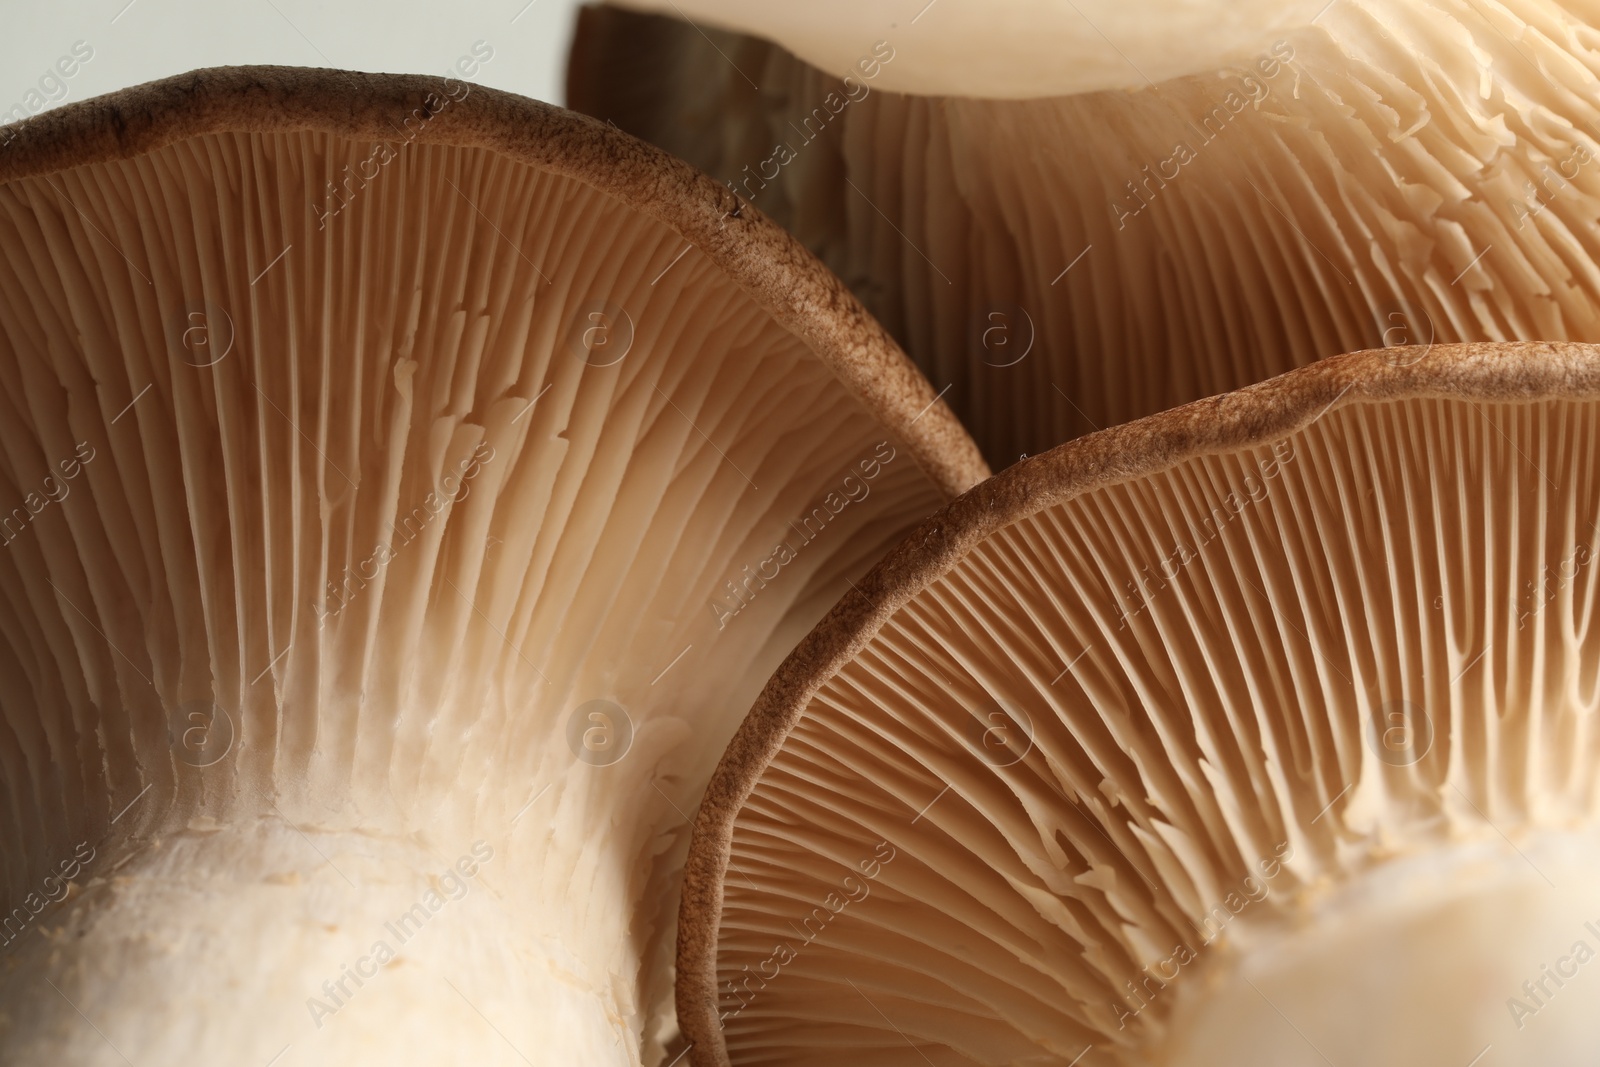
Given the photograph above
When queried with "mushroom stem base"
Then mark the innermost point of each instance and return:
(241, 943)
(1427, 959)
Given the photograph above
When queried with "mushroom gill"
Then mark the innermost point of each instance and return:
(1259, 732)
(1364, 174)
(415, 482)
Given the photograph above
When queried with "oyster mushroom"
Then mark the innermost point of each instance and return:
(1106, 210)
(1259, 732)
(426, 478)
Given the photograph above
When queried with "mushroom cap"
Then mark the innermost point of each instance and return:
(1014, 50)
(1290, 649)
(402, 466)
(1393, 174)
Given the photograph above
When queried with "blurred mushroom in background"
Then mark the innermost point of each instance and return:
(1074, 214)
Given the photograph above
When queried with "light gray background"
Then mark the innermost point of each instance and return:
(151, 39)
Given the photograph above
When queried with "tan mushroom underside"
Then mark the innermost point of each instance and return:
(1400, 172)
(1296, 687)
(314, 444)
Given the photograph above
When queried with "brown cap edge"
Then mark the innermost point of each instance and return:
(761, 257)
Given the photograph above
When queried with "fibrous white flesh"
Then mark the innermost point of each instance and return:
(247, 940)
(1412, 172)
(1199, 674)
(337, 468)
(1011, 49)
(1438, 958)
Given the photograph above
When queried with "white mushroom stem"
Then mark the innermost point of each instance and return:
(244, 938)
(1426, 959)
